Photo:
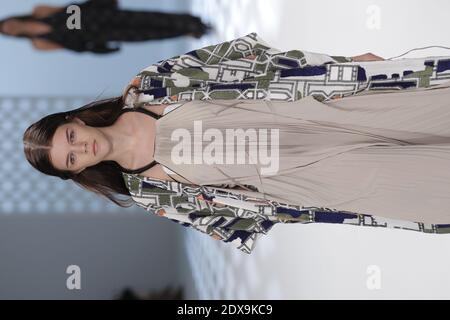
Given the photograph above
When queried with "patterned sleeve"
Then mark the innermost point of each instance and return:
(250, 44)
(218, 62)
(236, 54)
(231, 63)
(194, 212)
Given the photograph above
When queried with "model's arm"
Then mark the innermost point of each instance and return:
(42, 11)
(193, 211)
(242, 59)
(44, 45)
(222, 54)
(207, 225)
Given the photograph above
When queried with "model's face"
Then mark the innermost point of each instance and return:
(76, 146)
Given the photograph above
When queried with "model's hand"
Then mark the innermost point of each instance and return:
(217, 237)
(367, 57)
(136, 82)
(161, 212)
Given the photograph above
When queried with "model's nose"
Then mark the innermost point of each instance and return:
(80, 147)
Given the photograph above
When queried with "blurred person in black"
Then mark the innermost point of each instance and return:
(103, 26)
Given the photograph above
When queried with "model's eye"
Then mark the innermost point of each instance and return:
(72, 158)
(72, 136)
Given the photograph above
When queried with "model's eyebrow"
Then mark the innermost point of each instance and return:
(67, 137)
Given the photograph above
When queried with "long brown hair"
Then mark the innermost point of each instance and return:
(105, 178)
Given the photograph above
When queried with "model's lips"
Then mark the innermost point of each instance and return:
(94, 148)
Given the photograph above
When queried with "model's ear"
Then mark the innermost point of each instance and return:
(79, 121)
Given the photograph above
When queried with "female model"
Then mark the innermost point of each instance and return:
(376, 153)
(102, 25)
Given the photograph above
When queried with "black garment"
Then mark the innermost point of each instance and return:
(151, 164)
(103, 24)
